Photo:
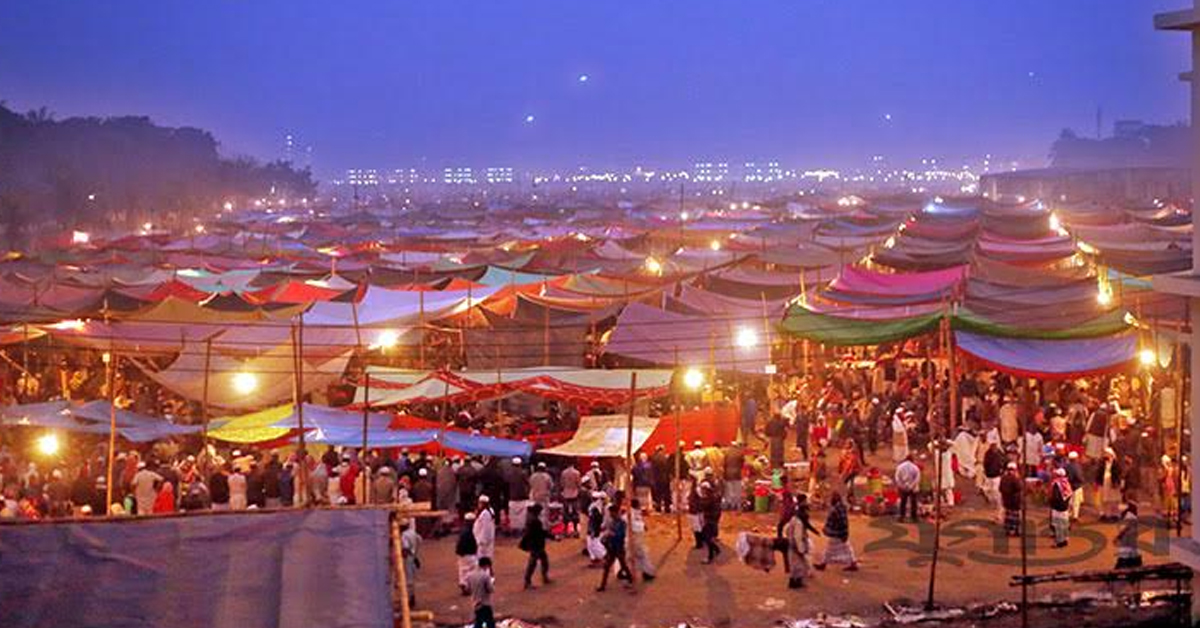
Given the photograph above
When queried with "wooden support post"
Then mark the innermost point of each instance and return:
(112, 426)
(629, 470)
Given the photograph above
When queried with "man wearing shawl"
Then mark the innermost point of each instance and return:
(837, 531)
(795, 534)
(1060, 507)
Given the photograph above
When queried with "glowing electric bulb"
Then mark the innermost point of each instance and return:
(693, 379)
(245, 383)
(47, 445)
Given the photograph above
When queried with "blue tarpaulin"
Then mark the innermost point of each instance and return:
(91, 418)
(485, 445)
(293, 569)
(1050, 359)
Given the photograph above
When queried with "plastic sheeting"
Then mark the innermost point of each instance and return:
(656, 336)
(854, 279)
(605, 436)
(1050, 359)
(269, 570)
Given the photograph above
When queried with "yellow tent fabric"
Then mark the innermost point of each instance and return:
(254, 427)
(604, 436)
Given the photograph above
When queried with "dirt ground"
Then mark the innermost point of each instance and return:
(975, 564)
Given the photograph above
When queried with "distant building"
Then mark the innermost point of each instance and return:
(362, 176)
(496, 175)
(1138, 184)
(762, 172)
(710, 172)
(404, 176)
(458, 176)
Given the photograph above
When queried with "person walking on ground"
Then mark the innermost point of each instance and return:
(908, 482)
(481, 585)
(735, 464)
(533, 541)
(849, 466)
(695, 515)
(410, 547)
(837, 529)
(795, 534)
(570, 480)
(637, 542)
(899, 436)
(485, 529)
(710, 513)
(1128, 555)
(993, 470)
(613, 538)
(1010, 498)
(643, 478)
(1075, 476)
(1060, 507)
(466, 549)
(540, 487)
(776, 432)
(1110, 477)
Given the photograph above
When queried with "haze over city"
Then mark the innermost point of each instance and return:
(541, 84)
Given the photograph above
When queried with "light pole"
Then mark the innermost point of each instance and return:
(693, 380)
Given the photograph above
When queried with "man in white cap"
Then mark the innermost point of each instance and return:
(144, 490)
(485, 528)
(540, 487)
(466, 549)
(1060, 506)
(697, 461)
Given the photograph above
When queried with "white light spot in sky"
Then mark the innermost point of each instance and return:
(529, 119)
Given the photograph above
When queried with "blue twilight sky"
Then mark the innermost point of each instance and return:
(391, 83)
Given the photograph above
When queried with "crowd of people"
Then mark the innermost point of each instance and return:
(814, 442)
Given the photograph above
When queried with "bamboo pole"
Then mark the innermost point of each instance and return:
(1022, 537)
(629, 468)
(300, 378)
(111, 362)
(421, 319)
(204, 407)
(362, 455)
(401, 574)
(675, 409)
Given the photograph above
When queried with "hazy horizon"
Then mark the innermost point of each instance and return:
(814, 83)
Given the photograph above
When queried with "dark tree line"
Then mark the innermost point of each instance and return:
(123, 170)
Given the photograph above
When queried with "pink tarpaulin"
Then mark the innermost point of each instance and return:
(856, 279)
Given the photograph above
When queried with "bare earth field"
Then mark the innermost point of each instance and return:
(975, 564)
